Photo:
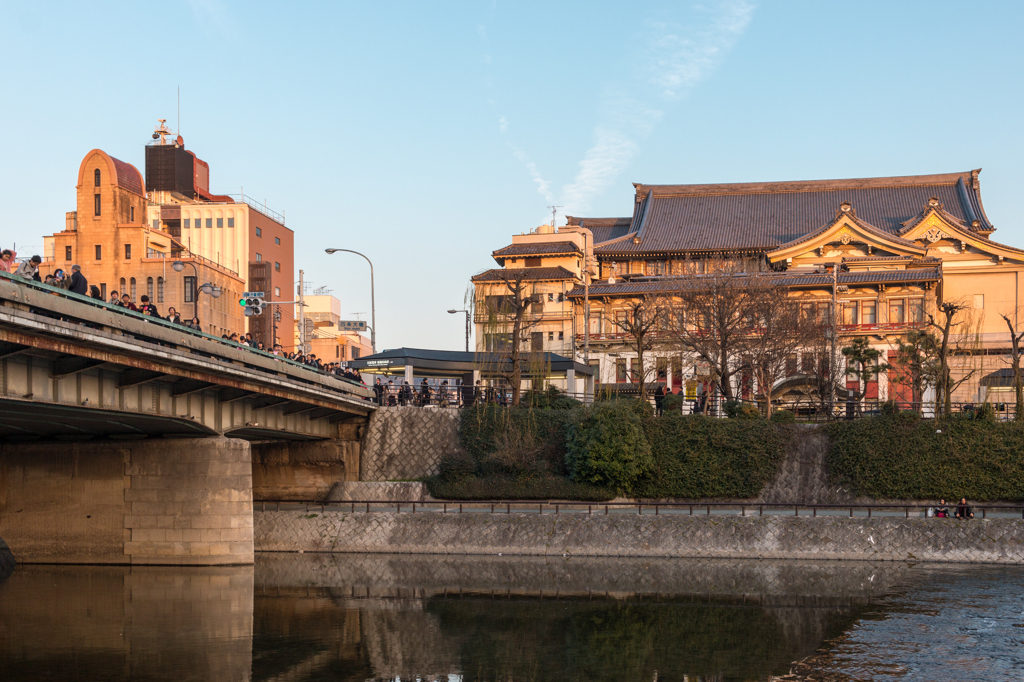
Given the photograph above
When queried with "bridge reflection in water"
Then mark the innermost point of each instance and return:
(359, 617)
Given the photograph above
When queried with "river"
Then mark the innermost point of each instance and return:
(386, 617)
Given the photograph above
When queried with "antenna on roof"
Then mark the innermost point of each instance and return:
(554, 212)
(178, 120)
(161, 131)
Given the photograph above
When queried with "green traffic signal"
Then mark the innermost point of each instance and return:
(241, 302)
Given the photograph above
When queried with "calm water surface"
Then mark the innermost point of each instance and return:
(359, 617)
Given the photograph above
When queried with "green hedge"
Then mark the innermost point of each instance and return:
(608, 447)
(699, 457)
(488, 429)
(902, 457)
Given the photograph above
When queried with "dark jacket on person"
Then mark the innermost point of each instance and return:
(79, 284)
(150, 307)
(964, 511)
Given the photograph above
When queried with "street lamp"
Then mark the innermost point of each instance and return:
(452, 312)
(178, 267)
(373, 309)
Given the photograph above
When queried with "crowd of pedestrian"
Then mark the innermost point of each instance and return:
(443, 394)
(76, 283)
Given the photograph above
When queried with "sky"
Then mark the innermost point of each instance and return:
(425, 135)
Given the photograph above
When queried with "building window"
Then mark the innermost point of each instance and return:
(915, 310)
(277, 266)
(533, 262)
(103, 291)
(159, 289)
(355, 353)
(131, 214)
(259, 232)
(551, 297)
(897, 311)
(231, 222)
(868, 312)
(134, 289)
(561, 336)
(259, 257)
(551, 336)
(99, 252)
(979, 301)
(96, 204)
(96, 177)
(220, 222)
(149, 288)
(188, 223)
(156, 223)
(849, 314)
(67, 253)
(123, 290)
(190, 289)
(127, 251)
(620, 370)
(277, 291)
(209, 222)
(277, 240)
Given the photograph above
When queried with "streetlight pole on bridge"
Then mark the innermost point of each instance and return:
(373, 309)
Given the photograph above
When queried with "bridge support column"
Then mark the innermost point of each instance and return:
(305, 470)
(177, 502)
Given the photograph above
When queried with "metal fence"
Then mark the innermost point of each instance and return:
(639, 508)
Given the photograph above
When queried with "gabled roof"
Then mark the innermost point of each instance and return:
(763, 216)
(603, 229)
(530, 274)
(537, 249)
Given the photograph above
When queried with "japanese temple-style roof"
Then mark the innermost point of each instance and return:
(537, 249)
(664, 285)
(758, 217)
(529, 274)
(603, 229)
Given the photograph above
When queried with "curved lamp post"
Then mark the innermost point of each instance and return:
(207, 288)
(373, 309)
(452, 312)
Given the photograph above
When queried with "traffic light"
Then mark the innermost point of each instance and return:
(253, 303)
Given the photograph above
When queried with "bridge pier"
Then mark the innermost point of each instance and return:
(305, 470)
(155, 501)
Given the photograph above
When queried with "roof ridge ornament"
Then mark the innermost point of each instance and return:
(846, 208)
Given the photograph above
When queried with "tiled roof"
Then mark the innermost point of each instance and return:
(532, 274)
(129, 177)
(667, 284)
(763, 216)
(537, 248)
(603, 229)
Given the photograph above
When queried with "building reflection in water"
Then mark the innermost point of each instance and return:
(384, 617)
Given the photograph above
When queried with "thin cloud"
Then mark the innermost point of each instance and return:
(502, 124)
(543, 186)
(677, 60)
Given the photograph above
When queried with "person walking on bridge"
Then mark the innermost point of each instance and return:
(79, 284)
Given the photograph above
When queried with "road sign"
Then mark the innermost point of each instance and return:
(352, 325)
(252, 294)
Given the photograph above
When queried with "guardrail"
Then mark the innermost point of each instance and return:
(657, 508)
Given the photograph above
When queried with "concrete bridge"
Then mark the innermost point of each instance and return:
(128, 439)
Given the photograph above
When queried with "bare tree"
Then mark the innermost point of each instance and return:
(944, 383)
(1015, 356)
(710, 319)
(825, 375)
(507, 316)
(778, 330)
(641, 321)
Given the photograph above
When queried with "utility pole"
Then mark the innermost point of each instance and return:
(302, 316)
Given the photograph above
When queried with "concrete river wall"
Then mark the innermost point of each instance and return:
(622, 535)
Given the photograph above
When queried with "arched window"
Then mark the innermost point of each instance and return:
(159, 290)
(149, 288)
(133, 290)
(96, 177)
(123, 290)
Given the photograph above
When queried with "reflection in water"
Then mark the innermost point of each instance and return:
(361, 617)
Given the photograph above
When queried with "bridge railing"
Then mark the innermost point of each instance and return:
(41, 299)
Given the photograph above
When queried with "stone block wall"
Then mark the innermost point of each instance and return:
(185, 501)
(403, 443)
(581, 534)
(302, 470)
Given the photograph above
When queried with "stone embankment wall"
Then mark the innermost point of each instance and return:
(577, 534)
(403, 443)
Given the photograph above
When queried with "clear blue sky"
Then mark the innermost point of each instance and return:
(425, 134)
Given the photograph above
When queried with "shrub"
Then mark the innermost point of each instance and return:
(456, 467)
(783, 417)
(699, 457)
(608, 448)
(673, 402)
(737, 409)
(903, 457)
(550, 399)
(489, 429)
